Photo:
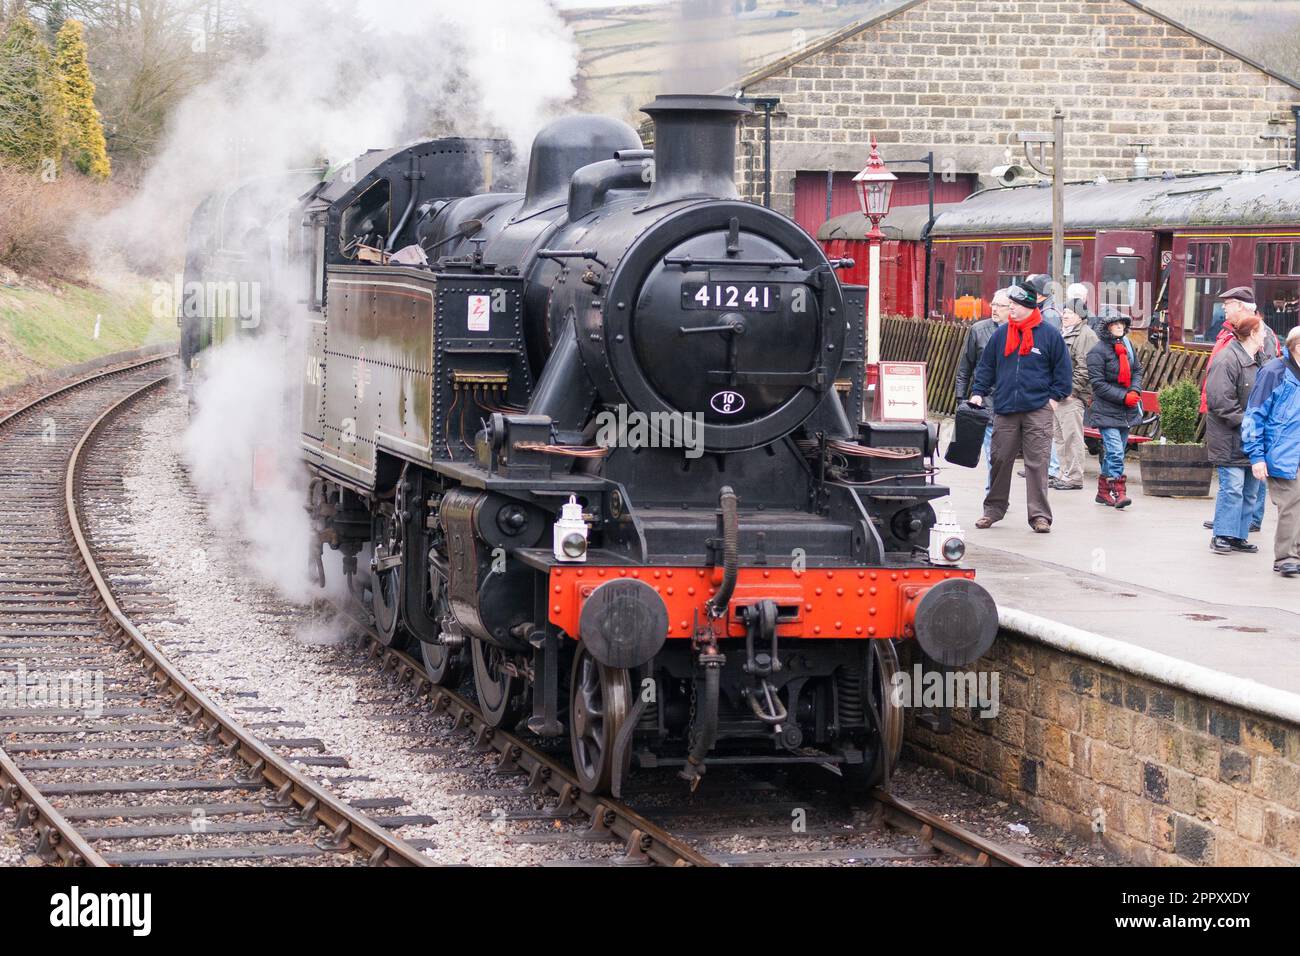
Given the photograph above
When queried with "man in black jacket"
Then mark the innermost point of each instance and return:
(1227, 389)
(976, 341)
(1026, 368)
(1042, 286)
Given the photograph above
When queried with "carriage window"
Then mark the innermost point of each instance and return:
(970, 258)
(1207, 277)
(1277, 285)
(1013, 265)
(1073, 264)
(1119, 282)
(969, 286)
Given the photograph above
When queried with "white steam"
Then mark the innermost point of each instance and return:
(704, 48)
(237, 457)
(327, 80)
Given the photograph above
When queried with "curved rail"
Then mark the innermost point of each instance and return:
(349, 828)
(644, 841)
(94, 376)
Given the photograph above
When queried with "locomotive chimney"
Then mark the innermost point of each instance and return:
(695, 146)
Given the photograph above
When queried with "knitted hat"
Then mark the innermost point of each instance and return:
(1040, 285)
(1022, 296)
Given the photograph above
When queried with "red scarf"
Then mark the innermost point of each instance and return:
(1125, 377)
(1022, 333)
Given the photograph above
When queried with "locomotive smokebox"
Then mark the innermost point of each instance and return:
(695, 146)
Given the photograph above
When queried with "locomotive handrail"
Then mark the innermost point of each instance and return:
(687, 261)
(591, 254)
(813, 378)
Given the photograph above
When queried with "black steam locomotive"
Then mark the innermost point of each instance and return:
(596, 442)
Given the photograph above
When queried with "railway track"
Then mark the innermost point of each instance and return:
(644, 842)
(157, 774)
(106, 749)
(642, 833)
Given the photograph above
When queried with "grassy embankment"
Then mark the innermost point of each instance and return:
(45, 327)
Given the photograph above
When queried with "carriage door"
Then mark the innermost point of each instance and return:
(1126, 272)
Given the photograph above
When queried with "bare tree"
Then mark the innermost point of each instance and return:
(146, 55)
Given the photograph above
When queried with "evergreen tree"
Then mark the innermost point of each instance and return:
(30, 116)
(83, 129)
(55, 17)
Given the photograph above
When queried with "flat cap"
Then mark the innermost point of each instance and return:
(1242, 293)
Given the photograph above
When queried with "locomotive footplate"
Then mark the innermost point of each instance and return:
(815, 604)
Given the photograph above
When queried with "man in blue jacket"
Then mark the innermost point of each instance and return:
(1270, 438)
(1026, 369)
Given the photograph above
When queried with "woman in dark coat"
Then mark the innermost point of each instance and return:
(1227, 388)
(1116, 376)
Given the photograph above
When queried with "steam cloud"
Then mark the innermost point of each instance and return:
(328, 80)
(704, 53)
(332, 79)
(237, 450)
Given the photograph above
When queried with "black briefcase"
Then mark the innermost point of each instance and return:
(968, 435)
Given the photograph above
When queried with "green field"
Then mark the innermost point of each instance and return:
(43, 329)
(629, 54)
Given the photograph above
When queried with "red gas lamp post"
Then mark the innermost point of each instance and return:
(875, 186)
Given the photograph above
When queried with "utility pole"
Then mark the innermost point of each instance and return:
(1035, 144)
(1058, 203)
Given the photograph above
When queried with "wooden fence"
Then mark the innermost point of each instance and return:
(938, 343)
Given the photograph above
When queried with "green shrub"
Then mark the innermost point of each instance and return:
(1180, 406)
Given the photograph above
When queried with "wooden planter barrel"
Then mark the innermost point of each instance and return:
(1175, 471)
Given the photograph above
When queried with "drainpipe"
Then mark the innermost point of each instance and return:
(768, 103)
(1295, 113)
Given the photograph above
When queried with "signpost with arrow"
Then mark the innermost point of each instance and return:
(902, 392)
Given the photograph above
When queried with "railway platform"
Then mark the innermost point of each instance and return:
(1144, 576)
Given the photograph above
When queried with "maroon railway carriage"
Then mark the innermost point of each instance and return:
(1160, 249)
(902, 255)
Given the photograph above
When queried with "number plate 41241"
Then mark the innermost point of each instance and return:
(742, 296)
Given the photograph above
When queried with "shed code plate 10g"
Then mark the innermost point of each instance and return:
(744, 297)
